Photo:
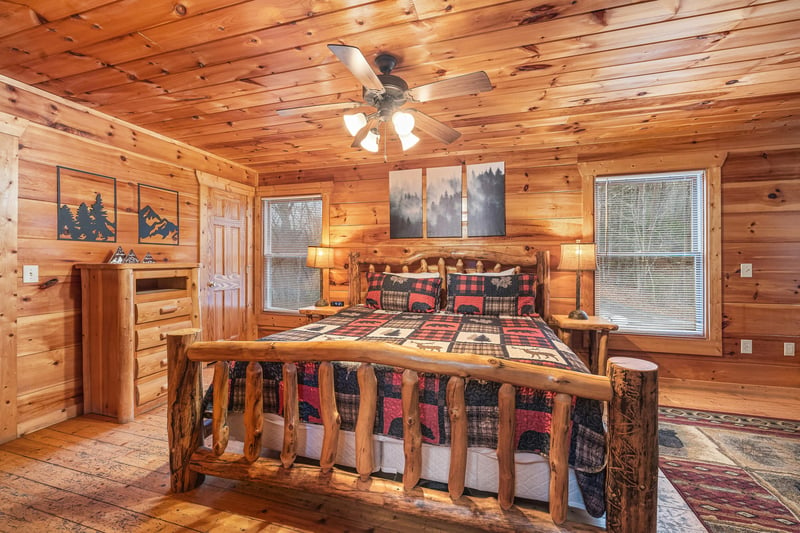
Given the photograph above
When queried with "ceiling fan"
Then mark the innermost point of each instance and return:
(387, 93)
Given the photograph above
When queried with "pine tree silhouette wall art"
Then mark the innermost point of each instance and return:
(87, 206)
(159, 220)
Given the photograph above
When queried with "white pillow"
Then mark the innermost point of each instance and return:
(508, 272)
(418, 275)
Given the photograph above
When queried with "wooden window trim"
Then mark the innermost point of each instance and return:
(712, 163)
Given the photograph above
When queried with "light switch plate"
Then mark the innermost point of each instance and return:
(788, 349)
(30, 273)
(746, 270)
(746, 346)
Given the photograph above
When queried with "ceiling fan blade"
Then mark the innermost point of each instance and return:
(434, 128)
(372, 123)
(288, 112)
(355, 61)
(477, 82)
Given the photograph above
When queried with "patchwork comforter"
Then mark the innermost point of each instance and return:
(526, 339)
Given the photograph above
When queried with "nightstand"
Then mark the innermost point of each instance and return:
(315, 313)
(598, 327)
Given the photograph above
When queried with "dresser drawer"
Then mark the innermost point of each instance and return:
(159, 310)
(150, 361)
(156, 335)
(151, 388)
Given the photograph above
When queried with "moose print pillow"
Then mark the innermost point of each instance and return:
(473, 294)
(399, 293)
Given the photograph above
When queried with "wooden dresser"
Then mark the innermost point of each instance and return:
(127, 310)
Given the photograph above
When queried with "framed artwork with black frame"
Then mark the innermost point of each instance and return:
(87, 206)
(159, 215)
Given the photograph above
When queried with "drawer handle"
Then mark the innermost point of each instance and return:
(168, 309)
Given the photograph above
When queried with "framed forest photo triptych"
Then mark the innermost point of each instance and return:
(445, 207)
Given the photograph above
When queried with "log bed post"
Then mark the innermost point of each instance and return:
(632, 474)
(412, 437)
(184, 415)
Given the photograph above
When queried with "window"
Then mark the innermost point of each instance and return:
(651, 253)
(657, 224)
(291, 225)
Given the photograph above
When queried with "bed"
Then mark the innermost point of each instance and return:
(344, 389)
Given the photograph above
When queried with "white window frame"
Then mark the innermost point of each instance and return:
(276, 318)
(265, 201)
(710, 342)
(695, 251)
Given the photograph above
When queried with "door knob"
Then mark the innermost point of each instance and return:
(212, 284)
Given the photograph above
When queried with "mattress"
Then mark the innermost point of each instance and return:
(532, 470)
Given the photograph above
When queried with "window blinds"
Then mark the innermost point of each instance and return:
(649, 232)
(291, 225)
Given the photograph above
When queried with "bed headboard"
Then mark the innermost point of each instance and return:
(536, 261)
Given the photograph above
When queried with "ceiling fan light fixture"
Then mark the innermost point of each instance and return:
(409, 140)
(355, 122)
(403, 123)
(370, 142)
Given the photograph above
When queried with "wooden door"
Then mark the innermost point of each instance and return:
(226, 262)
(9, 192)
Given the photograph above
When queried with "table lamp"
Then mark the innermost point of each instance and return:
(577, 256)
(322, 258)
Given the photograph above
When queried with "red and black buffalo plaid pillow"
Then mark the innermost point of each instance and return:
(470, 294)
(397, 293)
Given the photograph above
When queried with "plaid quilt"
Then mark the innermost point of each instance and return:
(520, 338)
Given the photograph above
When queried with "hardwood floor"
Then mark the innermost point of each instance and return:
(92, 474)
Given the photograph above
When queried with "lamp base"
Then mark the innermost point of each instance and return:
(578, 314)
(322, 302)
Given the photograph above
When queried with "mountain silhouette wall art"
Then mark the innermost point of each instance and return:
(158, 215)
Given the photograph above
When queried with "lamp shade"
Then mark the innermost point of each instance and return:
(403, 122)
(370, 142)
(355, 122)
(319, 257)
(408, 141)
(577, 256)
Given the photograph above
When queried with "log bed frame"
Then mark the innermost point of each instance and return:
(629, 388)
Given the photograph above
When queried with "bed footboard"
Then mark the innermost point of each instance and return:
(630, 390)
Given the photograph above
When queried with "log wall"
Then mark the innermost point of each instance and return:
(58, 133)
(760, 204)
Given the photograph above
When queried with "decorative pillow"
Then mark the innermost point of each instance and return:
(472, 294)
(398, 293)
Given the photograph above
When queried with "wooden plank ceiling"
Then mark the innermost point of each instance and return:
(213, 73)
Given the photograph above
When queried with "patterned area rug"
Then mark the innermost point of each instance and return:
(737, 473)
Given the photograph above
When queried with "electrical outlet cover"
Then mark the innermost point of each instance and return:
(746, 346)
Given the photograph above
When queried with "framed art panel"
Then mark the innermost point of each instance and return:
(159, 217)
(405, 204)
(486, 200)
(443, 201)
(87, 206)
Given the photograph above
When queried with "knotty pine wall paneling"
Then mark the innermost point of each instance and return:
(48, 352)
(760, 210)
